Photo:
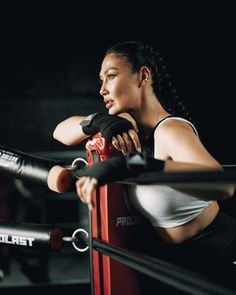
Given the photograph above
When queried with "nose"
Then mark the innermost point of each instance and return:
(103, 89)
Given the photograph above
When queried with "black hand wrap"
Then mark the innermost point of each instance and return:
(122, 167)
(108, 125)
(24, 166)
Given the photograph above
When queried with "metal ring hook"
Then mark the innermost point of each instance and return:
(73, 167)
(74, 236)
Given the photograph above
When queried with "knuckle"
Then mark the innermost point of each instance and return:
(132, 134)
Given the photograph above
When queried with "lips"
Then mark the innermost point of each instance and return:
(109, 103)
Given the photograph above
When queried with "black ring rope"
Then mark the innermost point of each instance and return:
(162, 271)
(183, 178)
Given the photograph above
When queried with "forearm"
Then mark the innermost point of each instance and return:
(218, 191)
(77, 128)
(122, 167)
(69, 131)
(134, 164)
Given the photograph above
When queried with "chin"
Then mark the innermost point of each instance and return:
(115, 110)
(112, 111)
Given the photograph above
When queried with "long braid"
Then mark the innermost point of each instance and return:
(165, 90)
(139, 54)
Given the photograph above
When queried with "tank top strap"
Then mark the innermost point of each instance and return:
(148, 144)
(176, 118)
(171, 117)
(160, 122)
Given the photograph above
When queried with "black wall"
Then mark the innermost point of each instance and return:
(50, 64)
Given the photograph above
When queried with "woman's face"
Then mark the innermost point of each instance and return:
(120, 87)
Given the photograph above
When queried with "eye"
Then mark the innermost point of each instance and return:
(111, 76)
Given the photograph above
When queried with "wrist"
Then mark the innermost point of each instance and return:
(87, 124)
(141, 162)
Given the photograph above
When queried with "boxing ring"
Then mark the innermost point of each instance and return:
(119, 239)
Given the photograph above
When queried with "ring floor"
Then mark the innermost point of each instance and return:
(66, 273)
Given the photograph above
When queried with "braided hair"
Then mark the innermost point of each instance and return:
(139, 54)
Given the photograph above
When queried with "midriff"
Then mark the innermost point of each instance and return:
(178, 234)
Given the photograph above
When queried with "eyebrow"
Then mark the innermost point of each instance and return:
(111, 68)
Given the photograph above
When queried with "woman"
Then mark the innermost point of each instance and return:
(135, 81)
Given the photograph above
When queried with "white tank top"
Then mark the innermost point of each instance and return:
(164, 206)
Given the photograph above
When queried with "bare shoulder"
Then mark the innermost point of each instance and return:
(172, 130)
(177, 140)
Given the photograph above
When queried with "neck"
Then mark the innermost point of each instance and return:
(149, 113)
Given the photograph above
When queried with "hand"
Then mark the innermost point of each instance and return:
(85, 187)
(127, 142)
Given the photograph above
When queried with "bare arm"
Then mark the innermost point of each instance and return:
(69, 131)
(183, 151)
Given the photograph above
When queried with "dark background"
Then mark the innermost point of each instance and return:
(50, 59)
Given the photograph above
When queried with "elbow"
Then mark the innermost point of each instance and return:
(228, 192)
(231, 190)
(58, 135)
(55, 135)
